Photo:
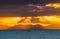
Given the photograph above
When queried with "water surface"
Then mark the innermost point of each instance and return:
(32, 34)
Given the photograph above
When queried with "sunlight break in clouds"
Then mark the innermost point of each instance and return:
(54, 5)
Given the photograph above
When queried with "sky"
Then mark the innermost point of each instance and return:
(27, 8)
(14, 7)
(16, 2)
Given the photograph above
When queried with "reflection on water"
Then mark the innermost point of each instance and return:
(33, 34)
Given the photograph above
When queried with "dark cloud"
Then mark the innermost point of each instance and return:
(22, 2)
(28, 10)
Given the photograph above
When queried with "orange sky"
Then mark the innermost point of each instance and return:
(23, 23)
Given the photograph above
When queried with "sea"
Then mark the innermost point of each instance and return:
(29, 34)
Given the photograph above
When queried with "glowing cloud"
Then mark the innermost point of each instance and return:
(49, 20)
(55, 5)
(9, 21)
(43, 21)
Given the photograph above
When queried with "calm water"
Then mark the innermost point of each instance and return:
(33, 34)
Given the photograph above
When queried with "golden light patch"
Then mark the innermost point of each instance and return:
(55, 5)
(9, 21)
(49, 20)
